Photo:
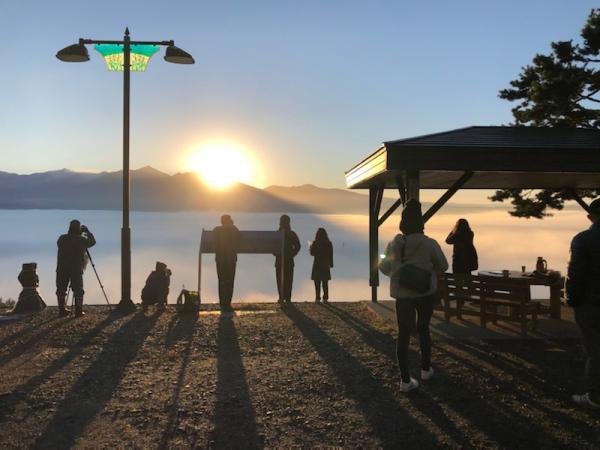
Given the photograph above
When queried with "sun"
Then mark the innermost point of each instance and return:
(221, 164)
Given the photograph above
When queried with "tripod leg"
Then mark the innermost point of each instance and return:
(97, 277)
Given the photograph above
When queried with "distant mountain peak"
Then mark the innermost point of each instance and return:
(149, 171)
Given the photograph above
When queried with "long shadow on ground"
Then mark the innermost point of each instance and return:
(41, 333)
(96, 385)
(392, 424)
(385, 344)
(181, 328)
(500, 421)
(234, 420)
(26, 326)
(9, 403)
(508, 425)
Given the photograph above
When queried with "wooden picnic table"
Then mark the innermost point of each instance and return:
(556, 286)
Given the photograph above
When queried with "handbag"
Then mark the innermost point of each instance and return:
(411, 276)
(188, 302)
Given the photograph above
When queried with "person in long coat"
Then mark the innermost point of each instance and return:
(227, 241)
(464, 255)
(322, 251)
(285, 265)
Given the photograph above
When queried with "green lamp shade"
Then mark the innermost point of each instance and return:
(113, 55)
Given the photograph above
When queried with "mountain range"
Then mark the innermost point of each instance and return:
(153, 190)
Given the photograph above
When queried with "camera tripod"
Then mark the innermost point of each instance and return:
(97, 277)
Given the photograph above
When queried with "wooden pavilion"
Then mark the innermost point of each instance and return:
(474, 158)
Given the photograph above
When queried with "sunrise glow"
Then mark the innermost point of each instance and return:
(221, 164)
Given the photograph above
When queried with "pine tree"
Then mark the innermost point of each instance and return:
(560, 90)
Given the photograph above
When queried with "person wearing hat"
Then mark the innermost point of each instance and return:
(70, 264)
(285, 264)
(227, 241)
(583, 294)
(425, 256)
(156, 289)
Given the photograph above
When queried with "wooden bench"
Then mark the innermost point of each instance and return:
(490, 298)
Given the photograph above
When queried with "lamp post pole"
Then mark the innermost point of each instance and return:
(126, 302)
(78, 53)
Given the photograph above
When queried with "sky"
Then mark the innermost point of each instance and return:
(306, 88)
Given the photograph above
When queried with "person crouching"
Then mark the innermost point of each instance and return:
(156, 290)
(71, 262)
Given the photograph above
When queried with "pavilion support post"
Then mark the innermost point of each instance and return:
(401, 188)
(412, 185)
(447, 195)
(375, 195)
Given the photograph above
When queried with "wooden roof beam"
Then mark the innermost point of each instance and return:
(447, 195)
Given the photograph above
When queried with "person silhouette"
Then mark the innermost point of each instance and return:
(156, 289)
(227, 240)
(464, 254)
(70, 264)
(322, 251)
(583, 294)
(285, 265)
(413, 248)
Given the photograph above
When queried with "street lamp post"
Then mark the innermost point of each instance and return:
(113, 51)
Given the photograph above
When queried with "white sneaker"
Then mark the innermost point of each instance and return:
(407, 387)
(584, 400)
(427, 374)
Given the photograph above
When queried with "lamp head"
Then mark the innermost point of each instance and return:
(74, 53)
(178, 56)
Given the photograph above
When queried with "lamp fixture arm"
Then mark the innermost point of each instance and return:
(99, 41)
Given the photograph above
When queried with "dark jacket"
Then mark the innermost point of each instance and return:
(227, 241)
(156, 289)
(464, 255)
(323, 260)
(583, 279)
(72, 252)
(291, 246)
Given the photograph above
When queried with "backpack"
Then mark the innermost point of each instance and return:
(188, 302)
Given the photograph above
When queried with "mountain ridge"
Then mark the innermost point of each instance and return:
(153, 190)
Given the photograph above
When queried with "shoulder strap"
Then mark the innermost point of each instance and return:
(402, 253)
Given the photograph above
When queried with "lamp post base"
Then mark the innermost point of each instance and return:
(126, 306)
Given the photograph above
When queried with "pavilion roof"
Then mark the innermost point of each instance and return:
(499, 157)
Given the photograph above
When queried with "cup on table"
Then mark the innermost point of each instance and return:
(505, 273)
(522, 269)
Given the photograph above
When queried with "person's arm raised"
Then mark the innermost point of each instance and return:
(89, 238)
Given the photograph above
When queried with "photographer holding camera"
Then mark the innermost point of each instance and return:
(71, 262)
(156, 289)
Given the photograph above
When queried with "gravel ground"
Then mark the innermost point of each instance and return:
(307, 375)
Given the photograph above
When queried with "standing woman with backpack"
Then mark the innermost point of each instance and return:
(322, 251)
(412, 261)
(464, 255)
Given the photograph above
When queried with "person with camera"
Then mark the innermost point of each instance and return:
(156, 289)
(412, 261)
(70, 264)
